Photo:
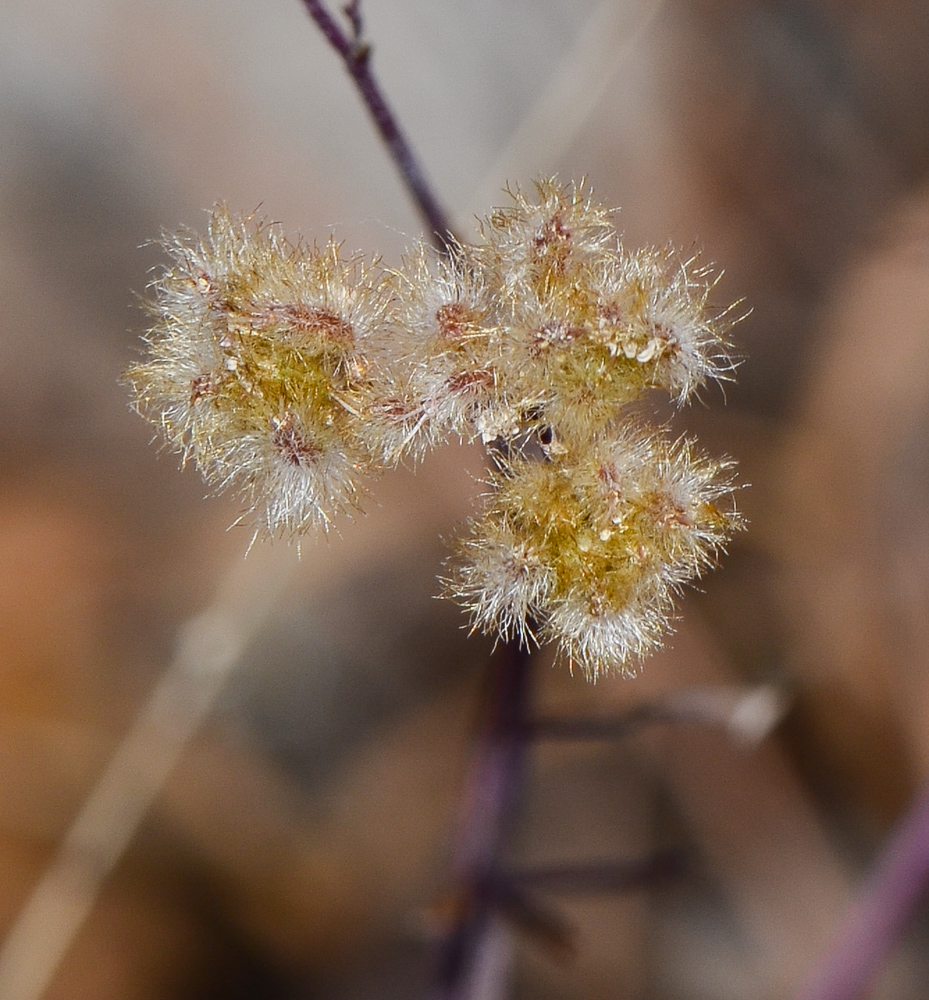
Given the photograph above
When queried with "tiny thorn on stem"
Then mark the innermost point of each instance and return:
(352, 10)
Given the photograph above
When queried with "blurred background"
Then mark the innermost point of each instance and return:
(296, 847)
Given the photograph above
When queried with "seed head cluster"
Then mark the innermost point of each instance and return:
(291, 372)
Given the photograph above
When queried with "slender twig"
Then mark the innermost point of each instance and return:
(515, 893)
(472, 952)
(563, 106)
(888, 901)
(596, 877)
(491, 794)
(356, 55)
(210, 646)
(523, 909)
(748, 714)
(472, 943)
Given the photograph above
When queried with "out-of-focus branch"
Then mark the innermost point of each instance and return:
(490, 796)
(747, 714)
(888, 901)
(209, 647)
(356, 55)
(565, 103)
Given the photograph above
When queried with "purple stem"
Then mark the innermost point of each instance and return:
(515, 894)
(597, 728)
(887, 903)
(496, 772)
(491, 794)
(356, 56)
(598, 877)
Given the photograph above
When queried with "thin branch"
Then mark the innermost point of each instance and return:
(598, 877)
(747, 714)
(491, 795)
(356, 55)
(888, 902)
(515, 894)
(564, 104)
(209, 647)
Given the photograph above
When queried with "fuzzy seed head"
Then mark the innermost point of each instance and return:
(289, 372)
(602, 540)
(547, 322)
(258, 365)
(444, 376)
(536, 244)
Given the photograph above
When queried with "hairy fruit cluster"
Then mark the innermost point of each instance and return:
(593, 545)
(291, 372)
(258, 353)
